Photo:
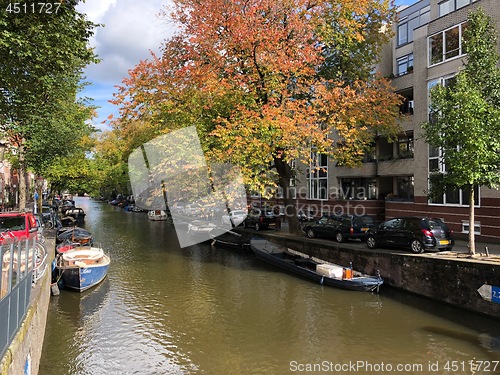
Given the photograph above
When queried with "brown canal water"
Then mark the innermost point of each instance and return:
(167, 310)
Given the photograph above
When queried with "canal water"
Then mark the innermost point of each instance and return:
(167, 310)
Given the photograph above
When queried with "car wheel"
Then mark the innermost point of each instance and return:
(416, 246)
(339, 237)
(310, 233)
(371, 242)
(257, 226)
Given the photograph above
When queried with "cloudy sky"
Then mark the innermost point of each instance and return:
(131, 30)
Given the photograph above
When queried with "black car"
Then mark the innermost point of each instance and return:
(416, 233)
(260, 218)
(340, 227)
(46, 213)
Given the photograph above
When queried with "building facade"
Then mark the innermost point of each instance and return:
(393, 180)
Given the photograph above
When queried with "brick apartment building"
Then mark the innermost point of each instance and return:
(393, 179)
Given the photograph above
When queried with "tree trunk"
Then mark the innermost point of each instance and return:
(22, 178)
(285, 174)
(472, 240)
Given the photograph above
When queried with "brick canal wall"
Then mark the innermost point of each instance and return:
(451, 280)
(24, 353)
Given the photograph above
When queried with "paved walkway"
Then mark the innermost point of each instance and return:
(460, 245)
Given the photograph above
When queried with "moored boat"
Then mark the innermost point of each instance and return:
(229, 239)
(157, 215)
(82, 268)
(315, 269)
(200, 229)
(74, 235)
(76, 213)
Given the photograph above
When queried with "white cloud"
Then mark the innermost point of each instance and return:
(131, 30)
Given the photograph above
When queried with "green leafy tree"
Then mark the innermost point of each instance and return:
(465, 119)
(43, 55)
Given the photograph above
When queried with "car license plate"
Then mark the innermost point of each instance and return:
(364, 229)
(444, 242)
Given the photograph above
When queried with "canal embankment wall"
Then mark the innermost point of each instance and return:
(24, 354)
(443, 277)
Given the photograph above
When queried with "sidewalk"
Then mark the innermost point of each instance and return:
(459, 248)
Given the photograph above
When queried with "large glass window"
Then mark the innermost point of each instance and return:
(403, 33)
(436, 48)
(449, 6)
(446, 44)
(452, 43)
(451, 195)
(405, 187)
(405, 64)
(409, 23)
(317, 177)
(358, 188)
(405, 146)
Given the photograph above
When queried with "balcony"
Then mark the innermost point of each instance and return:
(364, 170)
(395, 167)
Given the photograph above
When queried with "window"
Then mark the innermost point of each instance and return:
(403, 34)
(405, 64)
(370, 155)
(405, 187)
(449, 6)
(408, 104)
(393, 224)
(446, 44)
(436, 48)
(409, 23)
(317, 177)
(405, 146)
(451, 195)
(358, 188)
(452, 45)
(466, 227)
(292, 186)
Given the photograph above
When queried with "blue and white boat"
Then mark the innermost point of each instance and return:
(82, 268)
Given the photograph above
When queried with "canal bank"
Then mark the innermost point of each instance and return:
(452, 278)
(24, 353)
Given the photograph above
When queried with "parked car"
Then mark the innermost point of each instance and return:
(416, 233)
(341, 227)
(46, 213)
(21, 225)
(305, 216)
(260, 218)
(234, 218)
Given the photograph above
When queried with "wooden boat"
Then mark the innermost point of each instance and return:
(157, 215)
(82, 268)
(76, 213)
(229, 239)
(200, 230)
(315, 269)
(74, 235)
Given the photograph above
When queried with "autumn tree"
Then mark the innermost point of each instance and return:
(466, 119)
(43, 54)
(266, 82)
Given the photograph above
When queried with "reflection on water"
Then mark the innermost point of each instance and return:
(166, 310)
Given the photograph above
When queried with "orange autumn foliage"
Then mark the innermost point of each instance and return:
(267, 81)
